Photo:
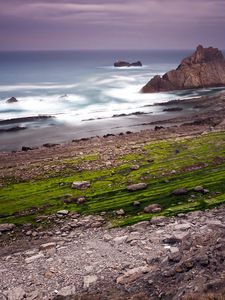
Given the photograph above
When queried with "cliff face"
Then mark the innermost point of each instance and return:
(204, 68)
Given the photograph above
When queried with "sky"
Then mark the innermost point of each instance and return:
(111, 24)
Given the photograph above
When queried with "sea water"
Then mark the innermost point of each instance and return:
(76, 86)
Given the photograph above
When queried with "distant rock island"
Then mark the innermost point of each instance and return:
(121, 63)
(204, 68)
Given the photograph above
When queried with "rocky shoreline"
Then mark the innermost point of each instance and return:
(71, 255)
(167, 258)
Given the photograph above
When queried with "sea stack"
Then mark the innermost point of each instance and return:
(204, 68)
(121, 63)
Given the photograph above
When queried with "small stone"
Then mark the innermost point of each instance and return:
(89, 280)
(63, 212)
(136, 187)
(182, 227)
(120, 239)
(153, 208)
(199, 189)
(81, 200)
(31, 259)
(158, 220)
(120, 212)
(6, 227)
(80, 185)
(132, 274)
(16, 294)
(47, 246)
(136, 203)
(135, 167)
(180, 192)
(67, 291)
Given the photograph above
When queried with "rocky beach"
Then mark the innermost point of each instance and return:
(130, 207)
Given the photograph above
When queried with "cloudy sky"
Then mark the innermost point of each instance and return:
(111, 24)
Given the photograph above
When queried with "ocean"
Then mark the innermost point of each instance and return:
(78, 86)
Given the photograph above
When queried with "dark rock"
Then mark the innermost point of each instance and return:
(204, 68)
(153, 208)
(158, 128)
(50, 145)
(171, 241)
(121, 63)
(25, 119)
(12, 100)
(171, 109)
(26, 148)
(12, 129)
(180, 192)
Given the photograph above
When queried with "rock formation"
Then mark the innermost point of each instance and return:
(204, 68)
(120, 63)
(12, 100)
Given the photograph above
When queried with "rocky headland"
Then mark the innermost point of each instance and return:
(204, 68)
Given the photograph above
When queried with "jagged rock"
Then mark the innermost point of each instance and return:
(121, 63)
(80, 185)
(204, 68)
(6, 227)
(153, 208)
(137, 186)
(12, 100)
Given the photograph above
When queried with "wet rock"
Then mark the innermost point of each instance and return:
(80, 185)
(12, 100)
(137, 186)
(180, 192)
(153, 208)
(121, 63)
(7, 227)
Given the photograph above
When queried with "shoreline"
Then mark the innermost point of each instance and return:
(172, 113)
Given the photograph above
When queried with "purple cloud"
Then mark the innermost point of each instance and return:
(68, 24)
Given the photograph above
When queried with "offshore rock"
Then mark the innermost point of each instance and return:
(121, 63)
(204, 68)
(12, 100)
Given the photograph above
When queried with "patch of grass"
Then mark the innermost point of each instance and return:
(183, 162)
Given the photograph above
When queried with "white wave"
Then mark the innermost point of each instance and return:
(8, 88)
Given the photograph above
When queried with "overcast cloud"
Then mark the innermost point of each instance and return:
(99, 24)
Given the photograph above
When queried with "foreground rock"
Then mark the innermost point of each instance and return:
(127, 64)
(204, 68)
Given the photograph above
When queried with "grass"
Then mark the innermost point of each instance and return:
(164, 166)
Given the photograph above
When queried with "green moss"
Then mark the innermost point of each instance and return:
(183, 162)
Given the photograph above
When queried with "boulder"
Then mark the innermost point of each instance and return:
(12, 100)
(121, 63)
(80, 185)
(153, 208)
(204, 68)
(137, 186)
(180, 192)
